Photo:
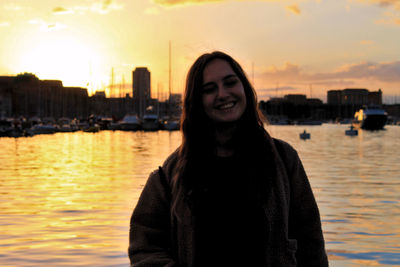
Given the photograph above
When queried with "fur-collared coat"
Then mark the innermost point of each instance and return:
(158, 237)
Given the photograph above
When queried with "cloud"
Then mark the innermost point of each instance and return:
(199, 2)
(105, 7)
(13, 7)
(46, 26)
(384, 3)
(390, 19)
(62, 11)
(183, 2)
(100, 7)
(4, 24)
(366, 42)
(294, 9)
(288, 71)
(386, 72)
(382, 72)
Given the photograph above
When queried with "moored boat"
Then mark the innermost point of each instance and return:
(130, 123)
(304, 135)
(370, 118)
(150, 122)
(351, 131)
(171, 124)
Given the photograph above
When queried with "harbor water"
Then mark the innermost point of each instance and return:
(66, 199)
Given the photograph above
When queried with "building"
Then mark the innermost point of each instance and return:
(141, 90)
(375, 98)
(354, 96)
(293, 107)
(296, 99)
(25, 95)
(6, 90)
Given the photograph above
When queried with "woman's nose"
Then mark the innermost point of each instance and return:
(222, 92)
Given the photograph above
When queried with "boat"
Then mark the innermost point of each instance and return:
(304, 135)
(370, 118)
(92, 128)
(150, 122)
(67, 125)
(171, 124)
(309, 122)
(130, 122)
(351, 131)
(43, 129)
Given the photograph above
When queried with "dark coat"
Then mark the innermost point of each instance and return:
(158, 237)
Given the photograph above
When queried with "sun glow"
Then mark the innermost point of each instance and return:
(74, 63)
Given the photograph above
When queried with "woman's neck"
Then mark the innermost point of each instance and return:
(223, 137)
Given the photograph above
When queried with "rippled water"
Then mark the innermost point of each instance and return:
(66, 199)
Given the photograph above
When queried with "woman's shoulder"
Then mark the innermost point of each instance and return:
(284, 149)
(171, 159)
(170, 163)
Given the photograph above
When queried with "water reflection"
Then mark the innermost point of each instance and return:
(66, 199)
(357, 187)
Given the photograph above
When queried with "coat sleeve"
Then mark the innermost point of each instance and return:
(304, 217)
(149, 235)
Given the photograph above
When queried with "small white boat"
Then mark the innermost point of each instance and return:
(351, 131)
(130, 123)
(304, 135)
(150, 122)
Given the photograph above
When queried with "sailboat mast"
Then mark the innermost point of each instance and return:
(112, 82)
(169, 80)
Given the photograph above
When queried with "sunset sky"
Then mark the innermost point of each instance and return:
(299, 46)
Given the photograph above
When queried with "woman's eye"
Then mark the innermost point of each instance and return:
(208, 90)
(231, 83)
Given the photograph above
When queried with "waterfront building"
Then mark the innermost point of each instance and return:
(6, 96)
(141, 90)
(375, 98)
(354, 96)
(27, 96)
(296, 99)
(293, 107)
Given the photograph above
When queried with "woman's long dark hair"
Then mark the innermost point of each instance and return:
(198, 131)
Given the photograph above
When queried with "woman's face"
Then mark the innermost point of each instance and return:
(224, 99)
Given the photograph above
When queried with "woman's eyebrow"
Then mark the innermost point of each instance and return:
(225, 78)
(229, 76)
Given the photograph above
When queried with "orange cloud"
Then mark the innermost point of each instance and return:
(183, 2)
(198, 2)
(294, 9)
(100, 7)
(386, 72)
(384, 3)
(391, 19)
(366, 42)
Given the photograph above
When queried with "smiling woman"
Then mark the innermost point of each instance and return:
(62, 59)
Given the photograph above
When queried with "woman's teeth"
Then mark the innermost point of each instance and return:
(226, 106)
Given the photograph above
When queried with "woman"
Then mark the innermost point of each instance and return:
(230, 194)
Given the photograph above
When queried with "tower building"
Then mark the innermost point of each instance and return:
(141, 90)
